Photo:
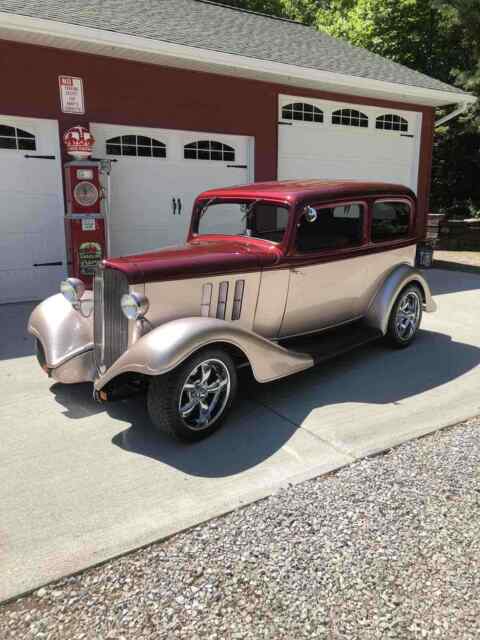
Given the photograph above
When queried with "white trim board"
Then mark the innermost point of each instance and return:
(118, 45)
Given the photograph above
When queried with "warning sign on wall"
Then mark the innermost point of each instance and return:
(71, 94)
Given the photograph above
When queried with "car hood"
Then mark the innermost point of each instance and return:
(199, 257)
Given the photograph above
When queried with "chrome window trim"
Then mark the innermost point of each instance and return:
(345, 250)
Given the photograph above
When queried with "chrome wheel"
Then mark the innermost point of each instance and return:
(408, 315)
(204, 394)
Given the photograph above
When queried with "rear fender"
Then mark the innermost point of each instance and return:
(63, 332)
(167, 346)
(381, 305)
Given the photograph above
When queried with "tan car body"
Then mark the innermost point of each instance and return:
(277, 303)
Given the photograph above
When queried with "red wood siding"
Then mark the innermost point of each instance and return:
(132, 93)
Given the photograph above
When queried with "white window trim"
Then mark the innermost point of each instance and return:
(121, 144)
(226, 148)
(305, 122)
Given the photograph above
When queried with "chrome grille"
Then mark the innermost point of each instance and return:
(110, 326)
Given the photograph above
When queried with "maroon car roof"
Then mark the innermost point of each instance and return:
(297, 190)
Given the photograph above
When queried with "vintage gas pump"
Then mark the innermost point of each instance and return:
(87, 205)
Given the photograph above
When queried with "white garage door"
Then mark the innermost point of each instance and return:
(331, 140)
(157, 175)
(32, 238)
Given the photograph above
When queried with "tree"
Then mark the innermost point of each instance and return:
(271, 7)
(301, 10)
(438, 37)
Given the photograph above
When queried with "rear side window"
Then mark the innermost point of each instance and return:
(338, 227)
(390, 221)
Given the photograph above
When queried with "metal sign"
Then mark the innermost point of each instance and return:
(71, 94)
(89, 255)
(78, 142)
(88, 224)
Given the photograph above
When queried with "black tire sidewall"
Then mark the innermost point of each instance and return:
(168, 417)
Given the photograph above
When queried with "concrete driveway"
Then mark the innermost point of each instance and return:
(80, 483)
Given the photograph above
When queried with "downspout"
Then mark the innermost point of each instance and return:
(453, 114)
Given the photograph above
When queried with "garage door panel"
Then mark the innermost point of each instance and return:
(326, 150)
(18, 285)
(126, 241)
(142, 188)
(31, 214)
(18, 250)
(341, 171)
(25, 249)
(29, 176)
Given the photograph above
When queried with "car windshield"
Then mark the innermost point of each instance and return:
(252, 218)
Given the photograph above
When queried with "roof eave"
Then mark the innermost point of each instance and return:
(119, 45)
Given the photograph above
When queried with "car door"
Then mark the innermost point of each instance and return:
(329, 273)
(392, 237)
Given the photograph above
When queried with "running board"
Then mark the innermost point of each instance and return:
(332, 343)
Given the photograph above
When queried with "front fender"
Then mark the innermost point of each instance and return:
(63, 332)
(168, 345)
(380, 307)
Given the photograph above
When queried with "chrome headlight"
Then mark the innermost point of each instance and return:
(72, 289)
(134, 305)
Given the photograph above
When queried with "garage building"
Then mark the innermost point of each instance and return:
(186, 95)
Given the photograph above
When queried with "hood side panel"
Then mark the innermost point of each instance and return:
(175, 299)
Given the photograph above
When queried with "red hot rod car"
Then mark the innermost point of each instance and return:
(276, 275)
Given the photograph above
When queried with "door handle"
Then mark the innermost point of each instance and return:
(179, 204)
(47, 264)
(174, 206)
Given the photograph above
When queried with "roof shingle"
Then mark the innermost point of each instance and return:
(217, 27)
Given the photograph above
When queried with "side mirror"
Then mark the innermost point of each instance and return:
(310, 214)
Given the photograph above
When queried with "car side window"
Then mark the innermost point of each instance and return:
(336, 227)
(390, 221)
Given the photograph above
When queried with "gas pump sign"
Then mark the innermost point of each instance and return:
(85, 220)
(89, 255)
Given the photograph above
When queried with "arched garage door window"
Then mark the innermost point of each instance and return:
(302, 111)
(208, 150)
(16, 139)
(391, 122)
(140, 146)
(349, 118)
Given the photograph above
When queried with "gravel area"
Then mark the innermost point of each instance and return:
(388, 547)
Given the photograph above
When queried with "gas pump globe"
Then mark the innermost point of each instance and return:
(86, 197)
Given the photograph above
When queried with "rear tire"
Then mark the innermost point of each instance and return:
(405, 317)
(190, 402)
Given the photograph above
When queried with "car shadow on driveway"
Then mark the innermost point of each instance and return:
(266, 416)
(251, 433)
(444, 281)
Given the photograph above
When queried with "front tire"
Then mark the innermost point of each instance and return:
(405, 317)
(191, 401)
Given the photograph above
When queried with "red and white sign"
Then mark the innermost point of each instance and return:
(71, 94)
(78, 142)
